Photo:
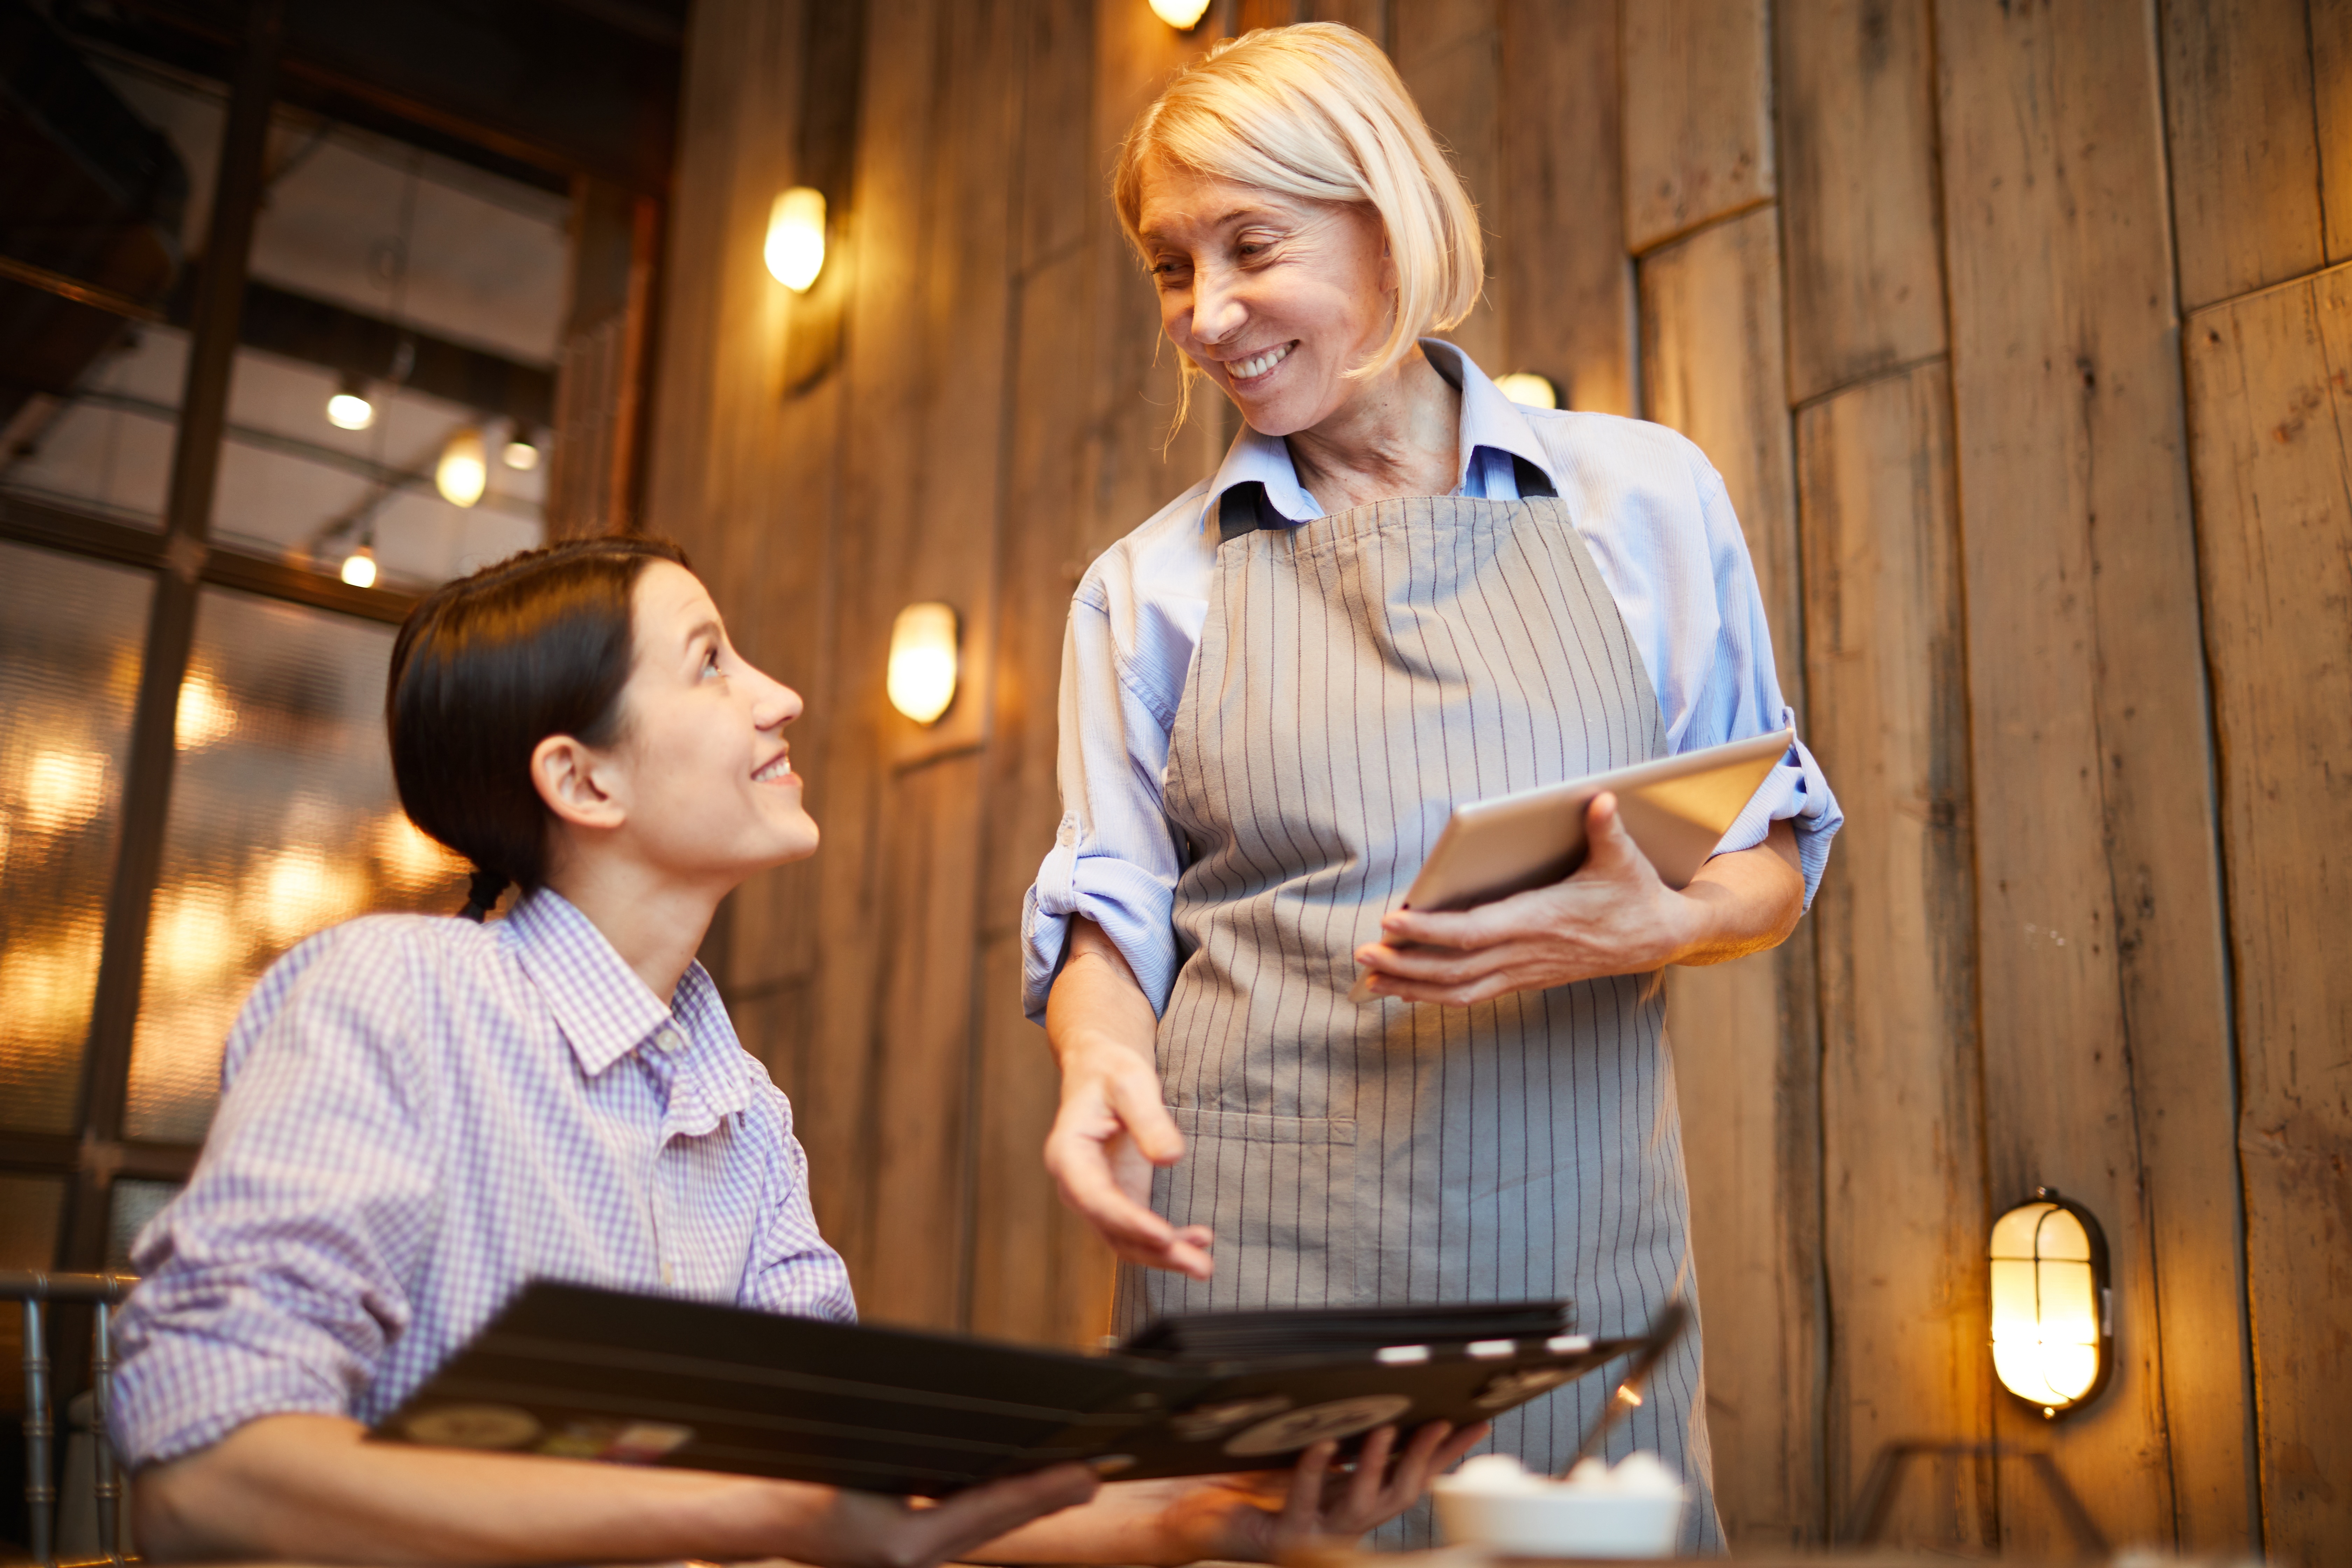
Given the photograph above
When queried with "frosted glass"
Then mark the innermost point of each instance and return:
(131, 1204)
(71, 632)
(283, 822)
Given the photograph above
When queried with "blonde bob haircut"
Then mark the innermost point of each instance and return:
(1317, 112)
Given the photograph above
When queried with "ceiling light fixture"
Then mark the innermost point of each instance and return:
(348, 407)
(464, 471)
(359, 568)
(796, 247)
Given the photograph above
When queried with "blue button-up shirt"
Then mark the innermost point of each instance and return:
(1645, 502)
(417, 1117)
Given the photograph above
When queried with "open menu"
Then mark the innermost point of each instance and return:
(571, 1371)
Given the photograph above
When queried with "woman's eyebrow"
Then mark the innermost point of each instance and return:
(700, 629)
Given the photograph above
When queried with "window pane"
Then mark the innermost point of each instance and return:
(131, 1202)
(71, 635)
(283, 821)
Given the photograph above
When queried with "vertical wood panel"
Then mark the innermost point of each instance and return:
(1563, 287)
(1903, 1152)
(2331, 73)
(2244, 147)
(1446, 50)
(1855, 89)
(2105, 1031)
(2271, 417)
(1746, 1038)
(1699, 121)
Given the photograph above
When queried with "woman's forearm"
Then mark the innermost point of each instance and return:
(1096, 1001)
(308, 1486)
(1751, 899)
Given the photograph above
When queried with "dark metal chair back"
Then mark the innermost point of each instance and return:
(37, 1291)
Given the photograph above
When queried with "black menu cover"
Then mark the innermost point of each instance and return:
(572, 1371)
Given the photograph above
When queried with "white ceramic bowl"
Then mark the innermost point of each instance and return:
(1560, 1522)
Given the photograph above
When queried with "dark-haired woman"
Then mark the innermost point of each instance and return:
(418, 1115)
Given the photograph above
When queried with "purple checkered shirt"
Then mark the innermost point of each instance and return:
(419, 1116)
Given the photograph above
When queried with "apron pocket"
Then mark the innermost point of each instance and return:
(1280, 1193)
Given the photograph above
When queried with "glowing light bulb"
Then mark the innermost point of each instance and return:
(359, 568)
(922, 679)
(1181, 14)
(348, 407)
(521, 453)
(464, 472)
(796, 247)
(2049, 1288)
(1524, 387)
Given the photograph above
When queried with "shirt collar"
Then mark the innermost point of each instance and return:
(1489, 420)
(603, 1009)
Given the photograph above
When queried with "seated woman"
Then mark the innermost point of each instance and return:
(419, 1115)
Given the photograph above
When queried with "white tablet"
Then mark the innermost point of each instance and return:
(1677, 808)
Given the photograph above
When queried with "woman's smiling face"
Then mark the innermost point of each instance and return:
(1275, 298)
(704, 774)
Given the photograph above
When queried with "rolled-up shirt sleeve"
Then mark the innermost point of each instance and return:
(273, 1284)
(1692, 604)
(1114, 858)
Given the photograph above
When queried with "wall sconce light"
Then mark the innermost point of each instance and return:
(359, 568)
(922, 679)
(1524, 387)
(2052, 1331)
(796, 248)
(521, 450)
(1181, 14)
(348, 407)
(464, 471)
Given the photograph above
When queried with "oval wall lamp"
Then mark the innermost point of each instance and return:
(1181, 14)
(2052, 1331)
(796, 247)
(1524, 387)
(922, 681)
(464, 471)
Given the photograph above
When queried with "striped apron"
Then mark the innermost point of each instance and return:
(1357, 675)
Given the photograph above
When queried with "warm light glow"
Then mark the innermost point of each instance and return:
(359, 568)
(2047, 1310)
(1524, 387)
(521, 453)
(923, 661)
(204, 715)
(63, 789)
(413, 860)
(796, 248)
(349, 410)
(301, 891)
(465, 470)
(1180, 14)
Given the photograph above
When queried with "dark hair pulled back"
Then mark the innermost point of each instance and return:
(488, 667)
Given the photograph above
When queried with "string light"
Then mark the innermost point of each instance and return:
(522, 452)
(348, 407)
(359, 568)
(464, 472)
(1181, 14)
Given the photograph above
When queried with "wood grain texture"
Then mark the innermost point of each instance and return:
(2331, 77)
(1447, 51)
(2245, 148)
(1563, 287)
(2106, 1022)
(1903, 1179)
(1698, 122)
(2270, 413)
(1746, 1037)
(1855, 91)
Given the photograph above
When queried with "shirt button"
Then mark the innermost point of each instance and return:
(670, 1039)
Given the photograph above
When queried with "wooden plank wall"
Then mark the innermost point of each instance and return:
(2058, 592)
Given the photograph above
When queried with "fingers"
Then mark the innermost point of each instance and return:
(983, 1513)
(1302, 1510)
(1078, 1157)
(1372, 1475)
(1135, 1101)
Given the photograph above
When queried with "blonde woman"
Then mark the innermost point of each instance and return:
(1399, 591)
